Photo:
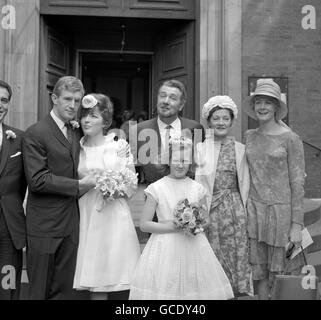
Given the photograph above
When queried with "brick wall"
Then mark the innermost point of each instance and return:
(313, 171)
(275, 44)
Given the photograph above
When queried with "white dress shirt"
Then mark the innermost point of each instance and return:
(61, 125)
(175, 130)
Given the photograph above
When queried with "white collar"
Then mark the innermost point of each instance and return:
(176, 124)
(58, 121)
(1, 128)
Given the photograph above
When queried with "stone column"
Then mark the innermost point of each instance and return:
(221, 53)
(19, 56)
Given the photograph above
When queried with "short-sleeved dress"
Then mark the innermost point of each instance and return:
(277, 172)
(108, 245)
(174, 266)
(227, 232)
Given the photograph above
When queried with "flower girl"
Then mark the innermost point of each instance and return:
(175, 264)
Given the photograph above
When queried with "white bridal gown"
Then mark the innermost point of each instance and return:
(108, 245)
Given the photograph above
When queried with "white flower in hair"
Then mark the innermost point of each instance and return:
(224, 102)
(89, 101)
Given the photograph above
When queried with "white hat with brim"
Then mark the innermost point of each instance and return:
(266, 87)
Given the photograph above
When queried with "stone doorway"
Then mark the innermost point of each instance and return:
(139, 53)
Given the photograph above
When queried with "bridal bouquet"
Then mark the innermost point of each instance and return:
(115, 184)
(189, 217)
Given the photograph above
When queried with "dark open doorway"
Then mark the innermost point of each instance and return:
(125, 78)
(126, 58)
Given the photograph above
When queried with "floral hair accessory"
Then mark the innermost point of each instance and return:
(224, 102)
(10, 134)
(74, 124)
(89, 101)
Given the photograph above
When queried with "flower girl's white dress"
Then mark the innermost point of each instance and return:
(173, 265)
(108, 245)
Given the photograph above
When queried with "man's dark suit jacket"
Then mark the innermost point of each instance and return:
(51, 169)
(13, 186)
(153, 173)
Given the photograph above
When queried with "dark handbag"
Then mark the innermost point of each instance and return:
(295, 287)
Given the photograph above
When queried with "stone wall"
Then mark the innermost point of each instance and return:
(19, 60)
(221, 53)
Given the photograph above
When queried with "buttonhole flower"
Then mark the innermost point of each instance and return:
(10, 134)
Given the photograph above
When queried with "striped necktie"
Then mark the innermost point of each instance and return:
(166, 144)
(167, 136)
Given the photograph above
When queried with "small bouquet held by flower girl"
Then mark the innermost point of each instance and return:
(115, 184)
(190, 217)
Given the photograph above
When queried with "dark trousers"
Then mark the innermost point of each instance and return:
(10, 265)
(51, 266)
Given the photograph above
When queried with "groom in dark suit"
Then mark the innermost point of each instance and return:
(51, 154)
(12, 192)
(149, 139)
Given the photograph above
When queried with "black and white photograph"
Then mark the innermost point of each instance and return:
(160, 154)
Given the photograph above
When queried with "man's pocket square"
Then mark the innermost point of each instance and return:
(16, 154)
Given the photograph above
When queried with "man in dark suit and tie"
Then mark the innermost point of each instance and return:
(149, 139)
(12, 192)
(51, 154)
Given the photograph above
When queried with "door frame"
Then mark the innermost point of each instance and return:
(47, 68)
(76, 55)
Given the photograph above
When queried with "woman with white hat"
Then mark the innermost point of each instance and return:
(223, 171)
(275, 205)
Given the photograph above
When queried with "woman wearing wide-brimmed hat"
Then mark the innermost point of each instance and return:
(223, 171)
(275, 205)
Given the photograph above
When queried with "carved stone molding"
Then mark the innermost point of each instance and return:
(159, 5)
(79, 3)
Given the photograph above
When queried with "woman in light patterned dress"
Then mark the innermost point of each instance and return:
(275, 206)
(223, 171)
